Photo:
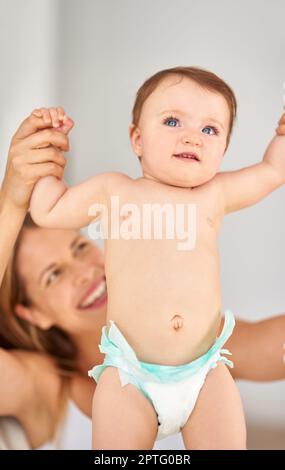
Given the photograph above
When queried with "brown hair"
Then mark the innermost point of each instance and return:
(202, 77)
(17, 333)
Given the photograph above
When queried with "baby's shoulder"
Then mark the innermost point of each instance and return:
(115, 179)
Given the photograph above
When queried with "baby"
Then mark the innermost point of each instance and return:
(164, 368)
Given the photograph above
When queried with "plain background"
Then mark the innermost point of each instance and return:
(91, 56)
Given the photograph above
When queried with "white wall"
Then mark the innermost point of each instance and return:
(91, 56)
(29, 34)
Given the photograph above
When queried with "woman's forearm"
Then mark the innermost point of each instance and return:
(11, 220)
(258, 349)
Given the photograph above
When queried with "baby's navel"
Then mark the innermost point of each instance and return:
(177, 322)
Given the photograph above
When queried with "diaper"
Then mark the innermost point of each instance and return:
(172, 390)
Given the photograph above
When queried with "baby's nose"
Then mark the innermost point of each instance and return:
(191, 138)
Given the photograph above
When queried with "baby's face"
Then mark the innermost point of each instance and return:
(181, 117)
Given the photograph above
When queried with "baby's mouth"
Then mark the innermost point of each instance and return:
(187, 156)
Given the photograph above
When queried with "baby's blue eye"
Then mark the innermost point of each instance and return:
(170, 120)
(212, 128)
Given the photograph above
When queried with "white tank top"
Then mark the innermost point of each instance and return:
(68, 436)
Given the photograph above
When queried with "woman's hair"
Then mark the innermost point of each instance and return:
(204, 78)
(17, 333)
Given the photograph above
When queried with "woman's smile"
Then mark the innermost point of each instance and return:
(95, 296)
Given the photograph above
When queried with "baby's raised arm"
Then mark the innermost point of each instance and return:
(242, 188)
(54, 205)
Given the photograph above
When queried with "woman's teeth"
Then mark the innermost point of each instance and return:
(94, 295)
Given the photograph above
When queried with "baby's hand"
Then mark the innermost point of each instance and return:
(55, 117)
(280, 130)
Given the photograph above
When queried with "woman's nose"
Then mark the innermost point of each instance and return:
(84, 275)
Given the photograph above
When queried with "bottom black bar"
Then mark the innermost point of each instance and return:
(127, 459)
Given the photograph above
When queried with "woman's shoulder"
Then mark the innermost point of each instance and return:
(41, 368)
(21, 371)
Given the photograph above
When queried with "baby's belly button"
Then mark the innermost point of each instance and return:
(177, 322)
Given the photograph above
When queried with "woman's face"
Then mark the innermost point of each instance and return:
(63, 273)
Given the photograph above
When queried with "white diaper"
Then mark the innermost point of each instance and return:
(172, 390)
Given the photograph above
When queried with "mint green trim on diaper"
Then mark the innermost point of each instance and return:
(118, 353)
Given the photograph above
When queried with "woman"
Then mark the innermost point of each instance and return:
(53, 300)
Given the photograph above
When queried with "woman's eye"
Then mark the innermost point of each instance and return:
(213, 129)
(170, 119)
(52, 276)
(82, 245)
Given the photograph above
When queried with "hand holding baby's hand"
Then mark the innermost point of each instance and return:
(37, 150)
(280, 130)
(54, 117)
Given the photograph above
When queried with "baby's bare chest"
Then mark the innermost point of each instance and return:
(162, 214)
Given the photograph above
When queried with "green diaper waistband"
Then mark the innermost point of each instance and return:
(118, 353)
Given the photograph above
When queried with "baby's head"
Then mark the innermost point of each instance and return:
(172, 110)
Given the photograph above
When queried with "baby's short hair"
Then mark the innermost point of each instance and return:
(204, 78)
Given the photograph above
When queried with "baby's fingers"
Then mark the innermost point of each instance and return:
(58, 119)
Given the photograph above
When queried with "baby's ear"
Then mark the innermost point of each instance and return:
(135, 136)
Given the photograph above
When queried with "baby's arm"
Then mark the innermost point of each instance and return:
(55, 205)
(242, 188)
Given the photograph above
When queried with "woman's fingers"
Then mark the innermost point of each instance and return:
(37, 171)
(29, 126)
(44, 138)
(34, 159)
(54, 117)
(61, 113)
(37, 112)
(40, 118)
(50, 154)
(36, 150)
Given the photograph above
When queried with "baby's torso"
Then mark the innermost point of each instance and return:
(164, 297)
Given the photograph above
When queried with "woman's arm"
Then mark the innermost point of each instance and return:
(11, 220)
(16, 386)
(32, 155)
(30, 390)
(258, 349)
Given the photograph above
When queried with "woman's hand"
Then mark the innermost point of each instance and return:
(36, 150)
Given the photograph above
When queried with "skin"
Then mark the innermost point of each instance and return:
(75, 270)
(167, 178)
(35, 375)
(29, 366)
(36, 150)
